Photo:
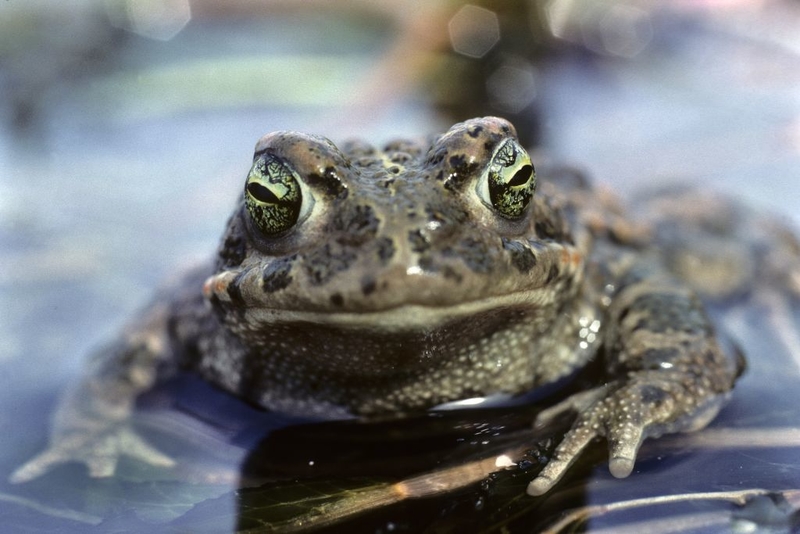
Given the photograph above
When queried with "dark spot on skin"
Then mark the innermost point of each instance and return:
(329, 183)
(451, 274)
(569, 283)
(652, 395)
(551, 222)
(545, 229)
(385, 248)
(357, 225)
(457, 160)
(233, 249)
(366, 162)
(446, 213)
(403, 146)
(437, 157)
(275, 276)
(379, 175)
(394, 169)
(364, 222)
(521, 256)
(459, 173)
(710, 357)
(552, 273)
(419, 243)
(474, 254)
(400, 158)
(427, 264)
(475, 131)
(322, 264)
(337, 300)
(234, 292)
(368, 286)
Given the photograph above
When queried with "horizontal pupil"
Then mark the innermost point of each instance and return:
(261, 193)
(521, 176)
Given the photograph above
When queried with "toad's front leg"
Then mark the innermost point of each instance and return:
(667, 373)
(92, 422)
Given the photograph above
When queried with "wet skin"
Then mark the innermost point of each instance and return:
(364, 281)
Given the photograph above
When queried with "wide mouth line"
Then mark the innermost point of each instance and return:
(405, 314)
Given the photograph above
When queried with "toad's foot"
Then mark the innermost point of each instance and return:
(99, 451)
(625, 415)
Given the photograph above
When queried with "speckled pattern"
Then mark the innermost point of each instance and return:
(403, 289)
(414, 275)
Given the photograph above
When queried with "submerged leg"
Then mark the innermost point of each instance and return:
(91, 424)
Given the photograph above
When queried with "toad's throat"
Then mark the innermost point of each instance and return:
(488, 341)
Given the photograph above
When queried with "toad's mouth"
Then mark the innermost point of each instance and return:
(412, 310)
(404, 317)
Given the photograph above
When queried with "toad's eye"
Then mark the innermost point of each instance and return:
(274, 196)
(510, 180)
